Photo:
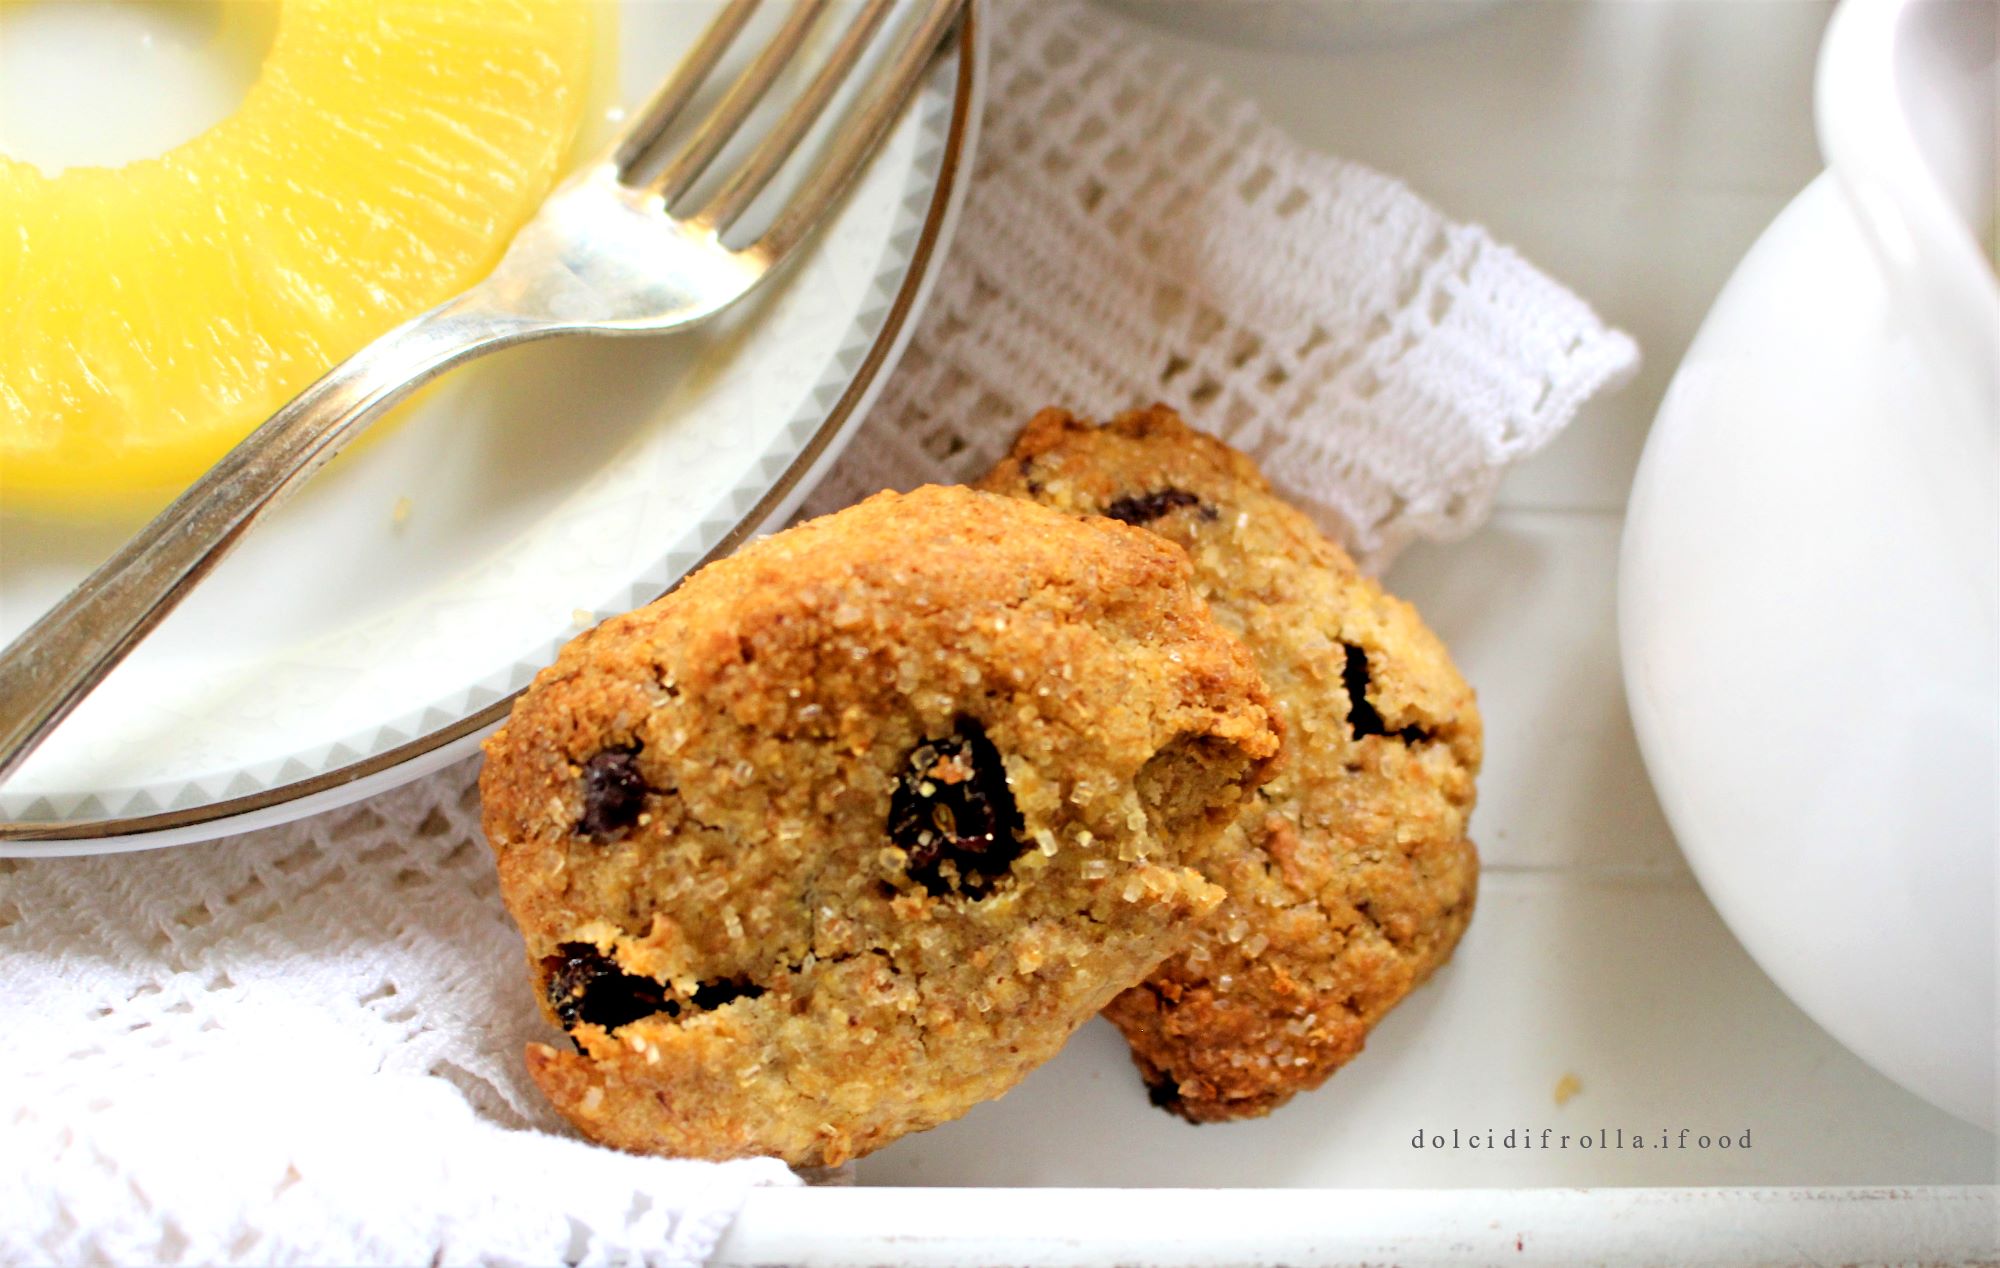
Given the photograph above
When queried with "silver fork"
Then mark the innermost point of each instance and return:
(604, 255)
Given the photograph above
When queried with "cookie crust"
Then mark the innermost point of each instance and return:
(1350, 876)
(710, 818)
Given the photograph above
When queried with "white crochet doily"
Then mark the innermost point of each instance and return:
(304, 1045)
(1135, 234)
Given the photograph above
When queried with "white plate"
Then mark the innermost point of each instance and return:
(378, 625)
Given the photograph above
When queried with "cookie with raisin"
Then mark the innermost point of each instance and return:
(1350, 875)
(854, 828)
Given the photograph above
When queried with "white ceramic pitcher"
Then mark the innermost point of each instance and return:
(1807, 591)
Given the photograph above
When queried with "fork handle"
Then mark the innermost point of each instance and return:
(57, 661)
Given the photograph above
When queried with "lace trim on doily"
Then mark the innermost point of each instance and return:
(304, 1045)
(1134, 235)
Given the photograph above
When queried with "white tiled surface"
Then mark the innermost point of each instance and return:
(1635, 151)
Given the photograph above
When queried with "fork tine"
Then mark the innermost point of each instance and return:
(861, 133)
(763, 163)
(673, 96)
(722, 122)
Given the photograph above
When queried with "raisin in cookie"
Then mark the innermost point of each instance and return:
(852, 830)
(1349, 875)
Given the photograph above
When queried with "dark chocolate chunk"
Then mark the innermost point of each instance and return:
(953, 814)
(724, 991)
(613, 794)
(1144, 508)
(1363, 718)
(585, 985)
(1163, 1091)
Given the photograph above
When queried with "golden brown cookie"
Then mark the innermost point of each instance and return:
(1350, 877)
(850, 831)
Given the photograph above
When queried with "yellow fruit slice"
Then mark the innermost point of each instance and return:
(151, 315)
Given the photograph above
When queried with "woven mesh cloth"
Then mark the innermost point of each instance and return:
(1136, 234)
(303, 1045)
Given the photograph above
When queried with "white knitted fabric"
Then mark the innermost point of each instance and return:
(1135, 234)
(304, 1045)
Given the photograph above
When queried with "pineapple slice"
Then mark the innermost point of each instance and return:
(152, 315)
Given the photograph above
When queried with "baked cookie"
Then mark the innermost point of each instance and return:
(851, 830)
(1349, 874)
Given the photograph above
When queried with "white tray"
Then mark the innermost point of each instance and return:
(1635, 151)
(821, 1228)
